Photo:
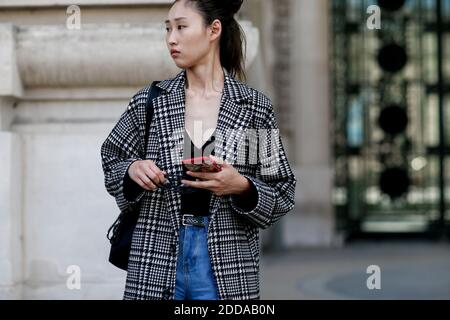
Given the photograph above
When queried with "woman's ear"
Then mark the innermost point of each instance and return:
(215, 29)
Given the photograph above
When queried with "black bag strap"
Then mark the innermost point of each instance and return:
(154, 92)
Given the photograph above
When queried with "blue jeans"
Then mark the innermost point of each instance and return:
(195, 279)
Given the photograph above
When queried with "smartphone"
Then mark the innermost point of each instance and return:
(201, 164)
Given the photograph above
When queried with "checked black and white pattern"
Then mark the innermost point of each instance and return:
(233, 235)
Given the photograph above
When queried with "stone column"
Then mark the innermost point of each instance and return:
(313, 222)
(10, 171)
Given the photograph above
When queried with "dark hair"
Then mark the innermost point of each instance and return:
(232, 56)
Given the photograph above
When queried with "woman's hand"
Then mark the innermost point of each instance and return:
(146, 174)
(225, 182)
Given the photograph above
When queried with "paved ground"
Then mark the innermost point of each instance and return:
(409, 270)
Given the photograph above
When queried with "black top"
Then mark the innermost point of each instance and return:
(196, 202)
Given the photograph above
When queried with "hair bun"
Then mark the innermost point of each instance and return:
(233, 5)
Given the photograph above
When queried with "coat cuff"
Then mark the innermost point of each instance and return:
(131, 192)
(264, 202)
(248, 202)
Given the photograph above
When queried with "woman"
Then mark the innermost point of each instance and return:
(197, 236)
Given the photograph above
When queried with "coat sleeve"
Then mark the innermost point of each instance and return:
(122, 147)
(274, 181)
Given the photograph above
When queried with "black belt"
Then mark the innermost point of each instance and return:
(191, 220)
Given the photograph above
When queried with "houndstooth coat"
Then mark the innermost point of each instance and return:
(233, 235)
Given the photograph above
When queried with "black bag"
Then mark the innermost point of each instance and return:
(123, 227)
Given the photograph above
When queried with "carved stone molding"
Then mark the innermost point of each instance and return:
(114, 55)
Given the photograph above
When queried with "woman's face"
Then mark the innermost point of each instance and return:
(186, 33)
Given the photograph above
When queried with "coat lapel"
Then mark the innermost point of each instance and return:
(235, 114)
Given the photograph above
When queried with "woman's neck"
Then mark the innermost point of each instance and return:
(205, 81)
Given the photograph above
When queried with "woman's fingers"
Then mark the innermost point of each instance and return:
(206, 184)
(146, 174)
(156, 174)
(146, 183)
(151, 173)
